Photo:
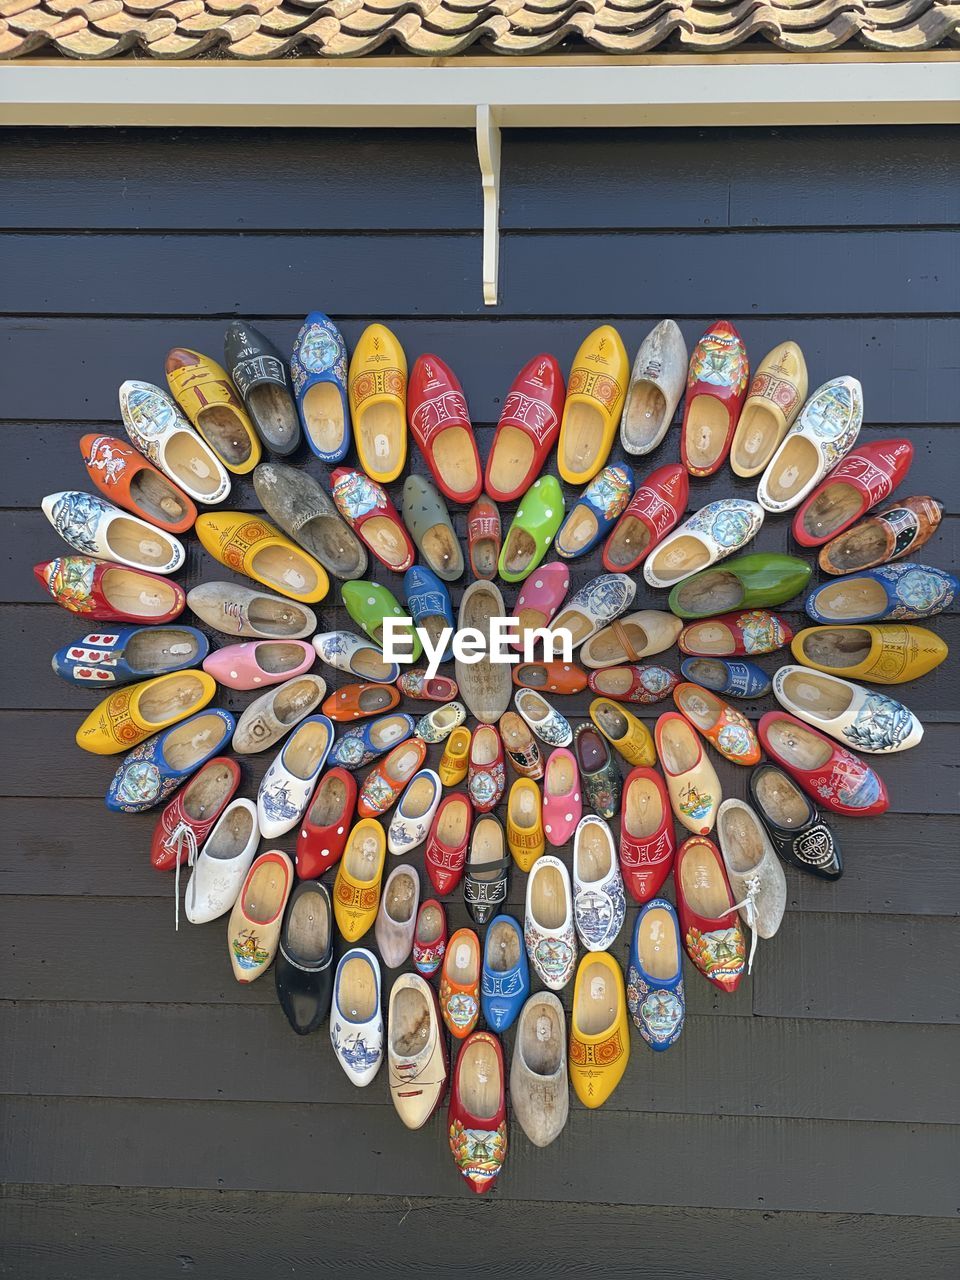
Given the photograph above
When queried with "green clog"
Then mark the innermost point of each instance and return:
(538, 518)
(368, 603)
(746, 582)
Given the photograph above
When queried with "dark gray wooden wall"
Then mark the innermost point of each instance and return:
(158, 1119)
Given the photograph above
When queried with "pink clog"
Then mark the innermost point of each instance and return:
(562, 806)
(260, 663)
(543, 593)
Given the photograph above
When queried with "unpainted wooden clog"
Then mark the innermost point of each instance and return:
(596, 390)
(716, 388)
(599, 1030)
(124, 475)
(485, 686)
(856, 717)
(241, 611)
(655, 509)
(656, 385)
(206, 395)
(528, 426)
(416, 1056)
(131, 714)
(711, 534)
(397, 915)
(105, 592)
(539, 1093)
(125, 654)
(253, 930)
(368, 511)
(778, 389)
(638, 635)
(822, 435)
(441, 428)
(259, 372)
(161, 433)
(318, 367)
(377, 389)
(864, 477)
(305, 512)
(247, 544)
(753, 870)
(881, 655)
(260, 663)
(265, 721)
(891, 533)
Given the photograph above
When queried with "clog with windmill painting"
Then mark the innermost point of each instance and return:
(778, 389)
(441, 427)
(599, 1029)
(418, 685)
(722, 725)
(483, 538)
(383, 784)
(131, 714)
(655, 975)
(486, 776)
(710, 534)
(430, 938)
(548, 930)
(106, 592)
(528, 426)
(361, 743)
(124, 475)
(249, 545)
(356, 1022)
(372, 516)
(532, 531)
(655, 509)
(822, 435)
(90, 524)
(288, 784)
(591, 413)
(206, 395)
(460, 983)
(414, 815)
(477, 1116)
(161, 433)
(716, 388)
(259, 372)
(156, 768)
(599, 905)
(358, 657)
(253, 930)
(601, 503)
(833, 776)
(692, 781)
(377, 390)
(865, 477)
(221, 866)
(711, 932)
(656, 385)
(856, 717)
(319, 370)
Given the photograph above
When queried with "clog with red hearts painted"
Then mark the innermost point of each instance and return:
(528, 427)
(865, 477)
(655, 509)
(716, 390)
(440, 424)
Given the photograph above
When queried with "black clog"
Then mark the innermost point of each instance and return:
(487, 872)
(304, 968)
(793, 823)
(260, 374)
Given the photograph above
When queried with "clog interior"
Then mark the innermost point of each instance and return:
(330, 543)
(578, 530)
(502, 947)
(357, 990)
(541, 1038)
(572, 620)
(382, 432)
(231, 835)
(679, 558)
(511, 459)
(594, 853)
(206, 792)
(792, 469)
(362, 855)
(516, 736)
(840, 647)
(385, 538)
(276, 617)
(401, 895)
(534, 707)
(222, 429)
(643, 419)
(295, 699)
(699, 706)
(429, 924)
(524, 804)
(273, 412)
(329, 801)
(286, 569)
(705, 430)
(452, 827)
(548, 899)
(463, 960)
(480, 1083)
(710, 638)
(710, 674)
(861, 547)
(486, 847)
(157, 498)
(322, 410)
(409, 1022)
(308, 927)
(485, 746)
(782, 800)
(192, 463)
(150, 649)
(716, 591)
(836, 505)
(592, 753)
(418, 798)
(643, 809)
(581, 437)
(306, 748)
(677, 746)
(615, 682)
(402, 763)
(191, 741)
(609, 645)
(368, 662)
(519, 550)
(455, 457)
(851, 598)
(817, 695)
(798, 746)
(560, 776)
(596, 999)
(265, 892)
(657, 945)
(627, 543)
(702, 882)
(741, 840)
(756, 438)
(612, 721)
(275, 659)
(484, 553)
(129, 592)
(442, 550)
(371, 700)
(172, 697)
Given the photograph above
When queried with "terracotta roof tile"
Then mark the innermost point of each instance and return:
(256, 29)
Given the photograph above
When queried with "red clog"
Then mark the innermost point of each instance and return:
(528, 428)
(486, 772)
(326, 824)
(831, 775)
(429, 938)
(483, 539)
(542, 594)
(125, 476)
(735, 635)
(367, 509)
(440, 423)
(716, 389)
(194, 809)
(477, 1117)
(647, 840)
(636, 682)
(864, 478)
(655, 509)
(109, 592)
(710, 927)
(357, 701)
(446, 848)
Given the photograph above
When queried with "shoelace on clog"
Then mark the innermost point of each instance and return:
(749, 904)
(182, 834)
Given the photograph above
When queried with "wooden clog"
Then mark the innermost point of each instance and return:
(362, 743)
(881, 655)
(369, 604)
(834, 776)
(90, 524)
(548, 930)
(260, 663)
(599, 905)
(414, 815)
(486, 875)
(746, 582)
(477, 1117)
(711, 931)
(304, 968)
(222, 864)
(528, 426)
(643, 684)
(599, 1031)
(105, 592)
(716, 388)
(520, 746)
(397, 915)
(484, 686)
(735, 635)
(655, 995)
(196, 809)
(722, 725)
(593, 606)
(319, 370)
(356, 1023)
(505, 981)
(623, 731)
(377, 388)
(253, 931)
(368, 511)
(206, 395)
(599, 773)
(441, 428)
(483, 538)
(356, 890)
(545, 720)
(753, 870)
(430, 938)
(891, 533)
(562, 802)
(532, 530)
(653, 511)
(304, 511)
(285, 789)
(692, 781)
(735, 679)
(486, 775)
(326, 825)
(447, 841)
(454, 762)
(384, 783)
(259, 372)
(793, 823)
(525, 836)
(241, 611)
(711, 534)
(551, 677)
(126, 654)
(541, 596)
(460, 984)
(358, 701)
(598, 507)
(856, 717)
(893, 592)
(538, 1075)
(656, 385)
(865, 477)
(416, 684)
(591, 413)
(156, 768)
(825, 432)
(647, 841)
(124, 475)
(249, 545)
(778, 389)
(265, 721)
(428, 520)
(416, 1056)
(161, 433)
(430, 607)
(356, 656)
(132, 714)
(438, 724)
(638, 635)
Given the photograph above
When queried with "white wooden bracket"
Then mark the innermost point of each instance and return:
(488, 150)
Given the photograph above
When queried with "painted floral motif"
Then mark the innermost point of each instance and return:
(658, 1012)
(881, 724)
(610, 492)
(721, 953)
(355, 496)
(70, 580)
(719, 360)
(600, 913)
(603, 1054)
(730, 522)
(77, 516)
(479, 1153)
(319, 348)
(920, 589)
(247, 950)
(603, 790)
(762, 632)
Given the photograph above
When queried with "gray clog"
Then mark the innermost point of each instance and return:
(656, 385)
(275, 712)
(240, 611)
(302, 508)
(425, 515)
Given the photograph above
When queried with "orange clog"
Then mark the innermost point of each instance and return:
(124, 475)
(356, 701)
(552, 677)
(728, 729)
(460, 983)
(382, 786)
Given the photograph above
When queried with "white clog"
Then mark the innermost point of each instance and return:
(548, 930)
(545, 721)
(825, 431)
(755, 873)
(594, 606)
(288, 784)
(416, 1057)
(599, 905)
(161, 433)
(857, 717)
(358, 657)
(439, 723)
(90, 524)
(222, 864)
(414, 814)
(356, 1024)
(711, 534)
(397, 915)
(656, 384)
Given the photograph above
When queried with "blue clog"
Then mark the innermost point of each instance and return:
(595, 513)
(894, 592)
(429, 602)
(154, 770)
(319, 369)
(505, 983)
(365, 742)
(655, 975)
(126, 654)
(735, 679)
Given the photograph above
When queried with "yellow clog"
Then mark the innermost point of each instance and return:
(595, 394)
(623, 731)
(356, 890)
(889, 654)
(131, 715)
(525, 836)
(377, 390)
(250, 545)
(599, 1032)
(456, 758)
(204, 392)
